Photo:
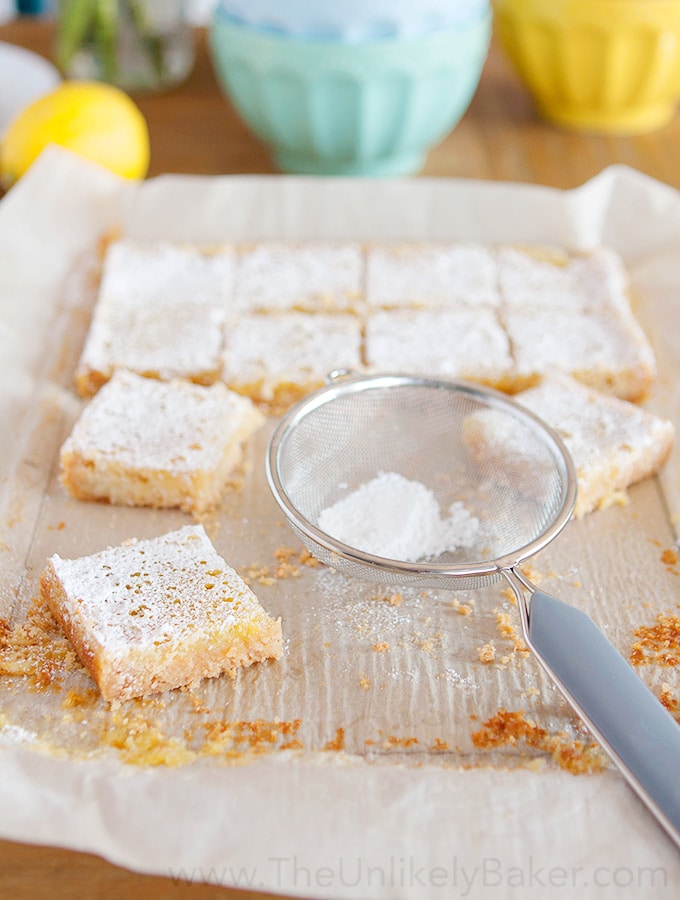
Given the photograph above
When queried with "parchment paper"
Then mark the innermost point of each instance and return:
(348, 769)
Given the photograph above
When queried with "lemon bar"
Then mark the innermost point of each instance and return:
(463, 343)
(153, 615)
(159, 312)
(606, 350)
(143, 442)
(276, 359)
(275, 276)
(431, 274)
(613, 443)
(552, 278)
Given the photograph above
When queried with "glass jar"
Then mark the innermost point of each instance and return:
(138, 45)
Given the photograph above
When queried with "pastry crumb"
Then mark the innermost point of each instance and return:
(260, 574)
(392, 742)
(670, 559)
(507, 630)
(289, 561)
(669, 701)
(511, 728)
(657, 644)
(463, 609)
(487, 653)
(37, 648)
(338, 742)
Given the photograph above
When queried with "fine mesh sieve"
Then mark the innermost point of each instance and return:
(513, 473)
(460, 441)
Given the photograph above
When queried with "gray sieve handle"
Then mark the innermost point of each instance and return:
(625, 716)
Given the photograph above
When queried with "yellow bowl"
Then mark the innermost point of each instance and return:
(596, 65)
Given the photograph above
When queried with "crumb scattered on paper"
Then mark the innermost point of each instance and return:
(487, 653)
(512, 728)
(463, 609)
(670, 701)
(670, 559)
(289, 564)
(338, 742)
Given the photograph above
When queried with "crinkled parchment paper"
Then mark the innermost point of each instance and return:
(360, 765)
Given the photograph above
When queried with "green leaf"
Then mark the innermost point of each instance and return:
(106, 37)
(76, 18)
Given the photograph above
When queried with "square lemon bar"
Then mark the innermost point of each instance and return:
(276, 359)
(313, 276)
(430, 274)
(461, 343)
(143, 442)
(159, 312)
(153, 615)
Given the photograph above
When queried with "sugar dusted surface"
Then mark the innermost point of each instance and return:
(602, 433)
(175, 426)
(165, 340)
(613, 443)
(290, 348)
(171, 311)
(159, 312)
(461, 343)
(316, 275)
(155, 593)
(606, 348)
(553, 279)
(404, 275)
(166, 272)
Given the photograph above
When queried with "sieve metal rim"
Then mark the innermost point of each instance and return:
(342, 383)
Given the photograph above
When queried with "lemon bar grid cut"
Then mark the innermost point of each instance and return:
(613, 443)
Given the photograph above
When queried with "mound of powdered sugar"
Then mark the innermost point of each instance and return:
(394, 517)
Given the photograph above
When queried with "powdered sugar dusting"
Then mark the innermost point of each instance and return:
(314, 275)
(17, 734)
(171, 426)
(160, 311)
(162, 272)
(606, 350)
(457, 343)
(154, 592)
(431, 274)
(397, 518)
(289, 348)
(552, 279)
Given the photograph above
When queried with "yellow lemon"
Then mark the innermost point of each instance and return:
(96, 120)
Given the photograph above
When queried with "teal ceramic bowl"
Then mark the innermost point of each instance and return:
(334, 108)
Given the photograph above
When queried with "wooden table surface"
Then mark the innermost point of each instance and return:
(194, 130)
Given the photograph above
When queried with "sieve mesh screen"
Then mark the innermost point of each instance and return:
(462, 442)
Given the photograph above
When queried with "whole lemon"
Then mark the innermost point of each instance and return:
(91, 118)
